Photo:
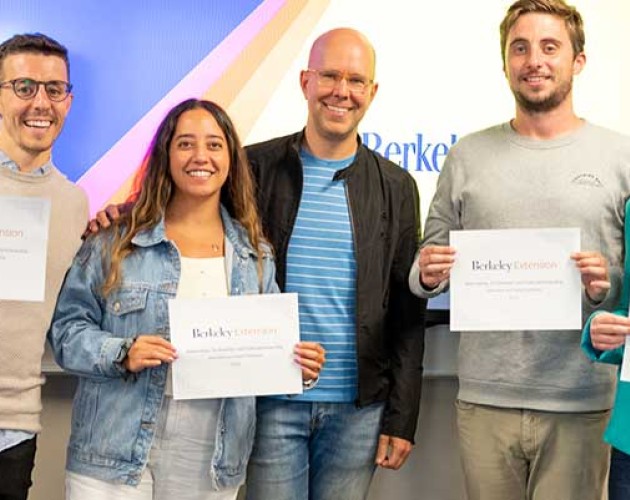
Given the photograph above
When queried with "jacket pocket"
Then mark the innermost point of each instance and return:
(107, 419)
(125, 312)
(127, 300)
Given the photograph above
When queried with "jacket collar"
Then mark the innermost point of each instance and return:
(297, 139)
(234, 233)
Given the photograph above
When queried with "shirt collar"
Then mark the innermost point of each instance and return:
(8, 163)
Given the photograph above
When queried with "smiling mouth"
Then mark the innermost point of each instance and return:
(38, 123)
(200, 173)
(336, 109)
(536, 78)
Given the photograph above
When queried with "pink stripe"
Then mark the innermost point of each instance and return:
(110, 172)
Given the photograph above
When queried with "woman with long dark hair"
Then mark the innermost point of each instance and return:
(193, 231)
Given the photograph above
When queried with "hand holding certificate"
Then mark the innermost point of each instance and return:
(235, 346)
(515, 280)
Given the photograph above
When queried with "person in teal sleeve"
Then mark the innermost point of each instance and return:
(603, 340)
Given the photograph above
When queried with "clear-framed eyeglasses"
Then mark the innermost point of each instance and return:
(329, 79)
(26, 88)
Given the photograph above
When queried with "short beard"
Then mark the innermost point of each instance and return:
(548, 103)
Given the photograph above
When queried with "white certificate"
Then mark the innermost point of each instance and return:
(515, 279)
(235, 346)
(625, 365)
(23, 247)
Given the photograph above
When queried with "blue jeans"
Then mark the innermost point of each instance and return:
(316, 451)
(619, 479)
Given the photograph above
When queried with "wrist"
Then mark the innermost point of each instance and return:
(426, 286)
(595, 298)
(309, 383)
(120, 361)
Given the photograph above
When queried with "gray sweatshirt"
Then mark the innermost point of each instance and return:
(497, 179)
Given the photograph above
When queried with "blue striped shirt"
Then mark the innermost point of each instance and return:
(321, 268)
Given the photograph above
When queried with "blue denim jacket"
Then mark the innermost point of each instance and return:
(114, 415)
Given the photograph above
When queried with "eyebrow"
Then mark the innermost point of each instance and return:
(544, 40)
(193, 136)
(519, 40)
(551, 40)
(352, 74)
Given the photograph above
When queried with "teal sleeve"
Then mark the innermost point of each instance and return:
(613, 356)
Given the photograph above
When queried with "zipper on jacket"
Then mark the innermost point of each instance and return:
(356, 288)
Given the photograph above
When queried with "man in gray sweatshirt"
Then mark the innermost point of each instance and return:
(531, 408)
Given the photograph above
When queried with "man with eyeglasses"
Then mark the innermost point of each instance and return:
(34, 101)
(344, 223)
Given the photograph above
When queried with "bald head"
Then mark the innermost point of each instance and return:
(342, 37)
(339, 87)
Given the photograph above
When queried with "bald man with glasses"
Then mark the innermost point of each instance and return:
(344, 223)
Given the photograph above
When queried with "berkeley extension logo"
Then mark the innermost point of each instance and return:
(229, 333)
(516, 265)
(11, 233)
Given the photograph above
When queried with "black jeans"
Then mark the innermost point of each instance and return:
(16, 465)
(619, 480)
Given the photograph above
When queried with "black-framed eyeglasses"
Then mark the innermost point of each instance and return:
(26, 88)
(329, 79)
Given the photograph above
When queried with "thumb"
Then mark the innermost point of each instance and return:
(383, 448)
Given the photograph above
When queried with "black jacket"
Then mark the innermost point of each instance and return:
(384, 213)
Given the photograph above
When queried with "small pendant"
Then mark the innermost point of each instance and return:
(215, 248)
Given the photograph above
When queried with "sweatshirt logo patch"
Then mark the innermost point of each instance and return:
(587, 180)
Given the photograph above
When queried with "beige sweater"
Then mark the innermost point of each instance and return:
(23, 325)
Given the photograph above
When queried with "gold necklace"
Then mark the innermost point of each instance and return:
(182, 239)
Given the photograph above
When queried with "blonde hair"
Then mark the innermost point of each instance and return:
(568, 13)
